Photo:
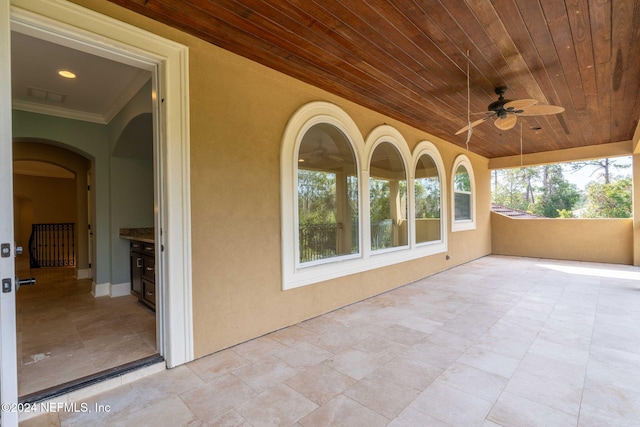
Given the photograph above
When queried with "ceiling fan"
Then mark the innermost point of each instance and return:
(321, 153)
(507, 111)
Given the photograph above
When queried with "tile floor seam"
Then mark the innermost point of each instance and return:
(518, 367)
(586, 370)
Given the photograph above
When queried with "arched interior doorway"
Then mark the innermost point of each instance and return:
(50, 187)
(86, 334)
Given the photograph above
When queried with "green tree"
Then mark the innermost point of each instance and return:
(609, 200)
(316, 197)
(427, 196)
(379, 199)
(512, 189)
(557, 193)
(563, 213)
(544, 190)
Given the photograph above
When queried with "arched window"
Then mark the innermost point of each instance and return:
(346, 202)
(464, 217)
(427, 200)
(321, 195)
(387, 198)
(328, 217)
(462, 194)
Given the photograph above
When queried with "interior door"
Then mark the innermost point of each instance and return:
(8, 358)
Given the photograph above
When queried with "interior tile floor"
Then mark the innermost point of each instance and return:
(500, 341)
(65, 333)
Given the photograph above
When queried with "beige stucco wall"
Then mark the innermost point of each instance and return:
(596, 240)
(238, 112)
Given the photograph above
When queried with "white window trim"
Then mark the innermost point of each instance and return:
(295, 275)
(379, 135)
(466, 224)
(436, 246)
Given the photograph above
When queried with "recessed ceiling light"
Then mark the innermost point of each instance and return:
(67, 74)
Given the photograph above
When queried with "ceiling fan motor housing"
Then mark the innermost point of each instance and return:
(498, 107)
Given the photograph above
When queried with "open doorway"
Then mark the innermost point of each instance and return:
(167, 61)
(81, 320)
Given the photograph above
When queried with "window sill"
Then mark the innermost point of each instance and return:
(304, 275)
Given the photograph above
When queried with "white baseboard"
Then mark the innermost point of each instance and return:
(120, 289)
(100, 289)
(109, 290)
(83, 273)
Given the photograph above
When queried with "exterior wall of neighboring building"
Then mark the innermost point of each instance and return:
(239, 110)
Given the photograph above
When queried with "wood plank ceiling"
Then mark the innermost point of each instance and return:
(408, 59)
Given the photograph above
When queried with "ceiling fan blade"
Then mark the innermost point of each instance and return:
(473, 124)
(541, 110)
(519, 104)
(506, 123)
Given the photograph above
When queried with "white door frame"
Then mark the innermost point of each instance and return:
(168, 61)
(8, 357)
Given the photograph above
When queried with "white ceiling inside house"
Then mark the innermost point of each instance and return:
(102, 87)
(99, 91)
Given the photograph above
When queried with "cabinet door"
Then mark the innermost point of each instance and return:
(149, 293)
(136, 273)
(149, 268)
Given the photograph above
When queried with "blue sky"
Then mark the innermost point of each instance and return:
(582, 177)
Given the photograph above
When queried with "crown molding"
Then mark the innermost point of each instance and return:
(49, 110)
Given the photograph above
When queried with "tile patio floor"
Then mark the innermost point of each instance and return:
(500, 341)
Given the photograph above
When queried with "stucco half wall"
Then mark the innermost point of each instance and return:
(594, 240)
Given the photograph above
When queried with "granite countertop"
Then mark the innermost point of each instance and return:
(146, 235)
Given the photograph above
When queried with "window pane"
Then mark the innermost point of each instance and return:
(462, 196)
(327, 195)
(462, 181)
(463, 206)
(388, 198)
(427, 200)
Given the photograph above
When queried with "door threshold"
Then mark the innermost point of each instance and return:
(96, 380)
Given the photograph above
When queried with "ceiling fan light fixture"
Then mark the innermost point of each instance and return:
(506, 123)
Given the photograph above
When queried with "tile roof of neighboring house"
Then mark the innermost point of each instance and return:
(513, 213)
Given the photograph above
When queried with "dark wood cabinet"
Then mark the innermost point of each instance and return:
(143, 272)
(136, 273)
(149, 293)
